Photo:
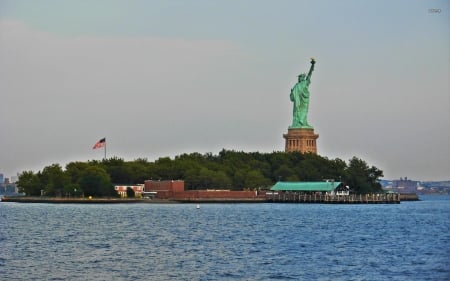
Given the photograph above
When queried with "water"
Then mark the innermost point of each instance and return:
(407, 241)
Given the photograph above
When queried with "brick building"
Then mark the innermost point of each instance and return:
(174, 189)
(122, 190)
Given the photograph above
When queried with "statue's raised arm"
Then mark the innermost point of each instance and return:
(311, 69)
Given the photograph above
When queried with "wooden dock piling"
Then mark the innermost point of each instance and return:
(294, 197)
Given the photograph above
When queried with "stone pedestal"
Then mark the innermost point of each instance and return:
(301, 139)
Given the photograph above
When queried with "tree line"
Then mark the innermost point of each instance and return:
(229, 169)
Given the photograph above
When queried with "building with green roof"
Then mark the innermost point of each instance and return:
(319, 186)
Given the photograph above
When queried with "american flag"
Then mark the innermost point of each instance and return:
(100, 143)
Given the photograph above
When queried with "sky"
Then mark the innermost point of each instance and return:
(161, 78)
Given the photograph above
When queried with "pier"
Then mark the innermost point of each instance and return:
(275, 197)
(294, 197)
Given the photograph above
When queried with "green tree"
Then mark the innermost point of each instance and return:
(75, 169)
(239, 180)
(95, 181)
(337, 167)
(260, 165)
(229, 169)
(119, 170)
(361, 178)
(205, 178)
(54, 180)
(139, 170)
(220, 180)
(284, 173)
(73, 189)
(312, 168)
(167, 168)
(255, 180)
(191, 178)
(30, 184)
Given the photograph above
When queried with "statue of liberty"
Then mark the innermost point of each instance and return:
(300, 97)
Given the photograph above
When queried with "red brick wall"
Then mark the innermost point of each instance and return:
(164, 194)
(151, 185)
(203, 194)
(175, 190)
(177, 186)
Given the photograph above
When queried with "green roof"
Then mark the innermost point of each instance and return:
(306, 186)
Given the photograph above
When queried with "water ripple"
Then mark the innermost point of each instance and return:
(409, 241)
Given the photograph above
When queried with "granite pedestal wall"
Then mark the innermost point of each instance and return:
(303, 140)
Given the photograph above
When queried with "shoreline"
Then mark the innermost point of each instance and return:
(54, 200)
(23, 199)
(51, 200)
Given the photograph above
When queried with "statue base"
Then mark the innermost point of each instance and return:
(301, 139)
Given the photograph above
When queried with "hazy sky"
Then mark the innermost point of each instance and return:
(161, 78)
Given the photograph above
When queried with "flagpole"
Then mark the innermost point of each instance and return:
(105, 149)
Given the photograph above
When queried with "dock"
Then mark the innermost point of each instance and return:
(409, 197)
(293, 197)
(279, 197)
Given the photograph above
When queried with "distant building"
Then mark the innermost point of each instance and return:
(14, 179)
(8, 189)
(2, 179)
(405, 184)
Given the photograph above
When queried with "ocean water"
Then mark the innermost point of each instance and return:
(407, 241)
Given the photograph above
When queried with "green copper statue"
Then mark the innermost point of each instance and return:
(300, 97)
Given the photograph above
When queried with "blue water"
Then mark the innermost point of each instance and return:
(407, 241)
